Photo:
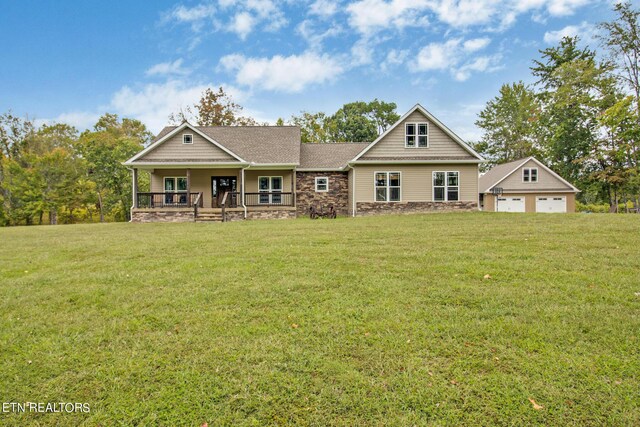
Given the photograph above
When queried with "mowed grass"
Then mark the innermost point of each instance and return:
(369, 321)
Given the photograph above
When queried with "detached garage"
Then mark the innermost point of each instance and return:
(526, 185)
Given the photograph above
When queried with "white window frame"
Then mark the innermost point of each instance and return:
(318, 178)
(388, 187)
(445, 187)
(270, 190)
(529, 179)
(184, 137)
(416, 135)
(170, 196)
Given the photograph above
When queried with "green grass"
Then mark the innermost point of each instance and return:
(181, 324)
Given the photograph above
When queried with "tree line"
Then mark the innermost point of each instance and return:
(581, 116)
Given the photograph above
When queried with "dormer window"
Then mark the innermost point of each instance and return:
(530, 175)
(416, 135)
(187, 138)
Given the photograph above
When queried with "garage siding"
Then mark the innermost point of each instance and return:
(530, 200)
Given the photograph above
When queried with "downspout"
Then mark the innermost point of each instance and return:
(242, 192)
(133, 195)
(353, 195)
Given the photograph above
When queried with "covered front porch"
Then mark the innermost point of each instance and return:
(217, 194)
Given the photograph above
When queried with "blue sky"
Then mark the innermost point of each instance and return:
(72, 61)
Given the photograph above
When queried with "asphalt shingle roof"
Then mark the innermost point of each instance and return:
(329, 155)
(498, 172)
(256, 144)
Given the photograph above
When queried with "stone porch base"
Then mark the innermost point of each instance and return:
(162, 216)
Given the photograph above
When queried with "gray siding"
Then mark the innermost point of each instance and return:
(440, 144)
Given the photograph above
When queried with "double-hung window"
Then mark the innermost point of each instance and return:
(270, 187)
(446, 186)
(322, 184)
(175, 189)
(530, 175)
(416, 135)
(387, 186)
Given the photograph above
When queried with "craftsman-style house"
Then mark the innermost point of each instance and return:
(230, 173)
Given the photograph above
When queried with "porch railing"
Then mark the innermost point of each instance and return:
(168, 200)
(268, 199)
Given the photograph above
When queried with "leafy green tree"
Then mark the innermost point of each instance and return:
(112, 142)
(510, 123)
(314, 127)
(353, 123)
(621, 38)
(576, 89)
(383, 114)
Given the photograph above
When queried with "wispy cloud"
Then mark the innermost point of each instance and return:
(585, 31)
(167, 68)
(282, 73)
(454, 56)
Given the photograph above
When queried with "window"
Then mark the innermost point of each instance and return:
(322, 184)
(416, 135)
(187, 138)
(387, 186)
(446, 186)
(175, 189)
(268, 185)
(530, 175)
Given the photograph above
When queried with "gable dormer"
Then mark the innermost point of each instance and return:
(418, 135)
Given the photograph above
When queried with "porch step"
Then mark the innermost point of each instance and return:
(212, 217)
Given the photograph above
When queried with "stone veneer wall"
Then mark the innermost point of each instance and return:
(370, 208)
(262, 214)
(167, 216)
(338, 194)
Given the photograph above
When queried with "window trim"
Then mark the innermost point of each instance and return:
(270, 192)
(175, 183)
(388, 187)
(184, 135)
(316, 184)
(445, 186)
(416, 135)
(530, 181)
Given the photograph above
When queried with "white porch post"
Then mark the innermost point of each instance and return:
(135, 188)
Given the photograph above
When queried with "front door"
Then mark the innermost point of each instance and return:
(219, 186)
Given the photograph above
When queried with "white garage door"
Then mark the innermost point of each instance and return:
(510, 204)
(551, 204)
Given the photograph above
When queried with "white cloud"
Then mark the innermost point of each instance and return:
(479, 64)
(282, 73)
(81, 120)
(452, 55)
(323, 8)
(313, 36)
(166, 68)
(394, 59)
(585, 31)
(193, 15)
(476, 44)
(564, 7)
(439, 56)
(242, 24)
(369, 16)
(153, 103)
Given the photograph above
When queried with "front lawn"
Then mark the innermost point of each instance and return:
(370, 321)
